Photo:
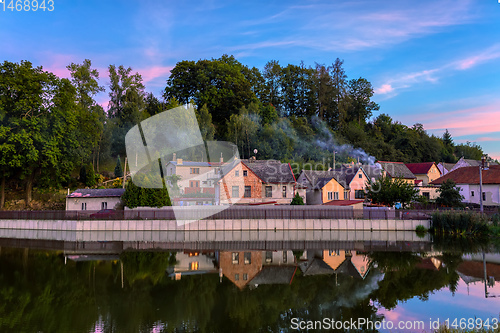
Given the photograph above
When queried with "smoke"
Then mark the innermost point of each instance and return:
(327, 141)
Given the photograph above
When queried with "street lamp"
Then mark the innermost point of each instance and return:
(482, 167)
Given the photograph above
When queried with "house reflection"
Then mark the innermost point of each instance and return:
(192, 263)
(253, 268)
(347, 262)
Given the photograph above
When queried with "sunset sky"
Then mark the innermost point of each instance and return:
(433, 62)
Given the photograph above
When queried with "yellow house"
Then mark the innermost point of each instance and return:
(426, 172)
(332, 190)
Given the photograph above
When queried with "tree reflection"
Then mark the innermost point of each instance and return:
(40, 292)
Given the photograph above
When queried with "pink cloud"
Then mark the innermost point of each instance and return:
(384, 89)
(152, 73)
(487, 138)
(478, 120)
(487, 55)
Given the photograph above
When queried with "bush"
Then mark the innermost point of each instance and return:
(420, 229)
(297, 200)
(457, 223)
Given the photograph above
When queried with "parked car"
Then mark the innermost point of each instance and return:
(105, 214)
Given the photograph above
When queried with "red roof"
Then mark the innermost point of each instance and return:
(343, 202)
(470, 175)
(420, 168)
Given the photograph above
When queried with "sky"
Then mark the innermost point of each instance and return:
(434, 62)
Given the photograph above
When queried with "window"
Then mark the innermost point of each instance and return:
(245, 173)
(472, 193)
(104, 205)
(269, 191)
(284, 191)
(236, 258)
(248, 192)
(359, 194)
(194, 183)
(360, 176)
(193, 266)
(336, 196)
(269, 257)
(426, 195)
(285, 257)
(236, 277)
(84, 206)
(346, 195)
(330, 195)
(195, 171)
(236, 192)
(237, 173)
(484, 196)
(247, 258)
(245, 276)
(334, 253)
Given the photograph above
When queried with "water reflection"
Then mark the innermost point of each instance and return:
(240, 290)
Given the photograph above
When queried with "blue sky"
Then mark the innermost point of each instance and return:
(435, 62)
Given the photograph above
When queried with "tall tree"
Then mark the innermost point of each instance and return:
(218, 83)
(360, 108)
(205, 123)
(90, 115)
(126, 105)
(337, 116)
(272, 75)
(38, 129)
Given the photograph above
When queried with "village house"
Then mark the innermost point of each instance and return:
(467, 179)
(354, 179)
(398, 170)
(425, 172)
(278, 180)
(94, 199)
(195, 177)
(322, 186)
(444, 168)
(347, 183)
(238, 184)
(463, 162)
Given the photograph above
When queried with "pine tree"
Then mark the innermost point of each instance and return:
(118, 168)
(297, 200)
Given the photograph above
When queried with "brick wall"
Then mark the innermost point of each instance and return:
(235, 272)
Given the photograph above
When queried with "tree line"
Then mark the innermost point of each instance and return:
(51, 127)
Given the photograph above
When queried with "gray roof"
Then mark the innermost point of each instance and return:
(318, 179)
(343, 176)
(97, 193)
(448, 166)
(271, 171)
(397, 170)
(372, 171)
(316, 267)
(477, 162)
(274, 275)
(192, 163)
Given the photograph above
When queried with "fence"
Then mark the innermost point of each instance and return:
(230, 213)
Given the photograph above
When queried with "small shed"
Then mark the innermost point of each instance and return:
(94, 199)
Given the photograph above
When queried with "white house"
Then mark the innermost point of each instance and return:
(467, 178)
(94, 199)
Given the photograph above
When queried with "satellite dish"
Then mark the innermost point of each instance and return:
(255, 151)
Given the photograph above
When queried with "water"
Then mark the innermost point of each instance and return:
(105, 289)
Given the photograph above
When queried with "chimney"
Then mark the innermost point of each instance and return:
(174, 158)
(221, 159)
(179, 161)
